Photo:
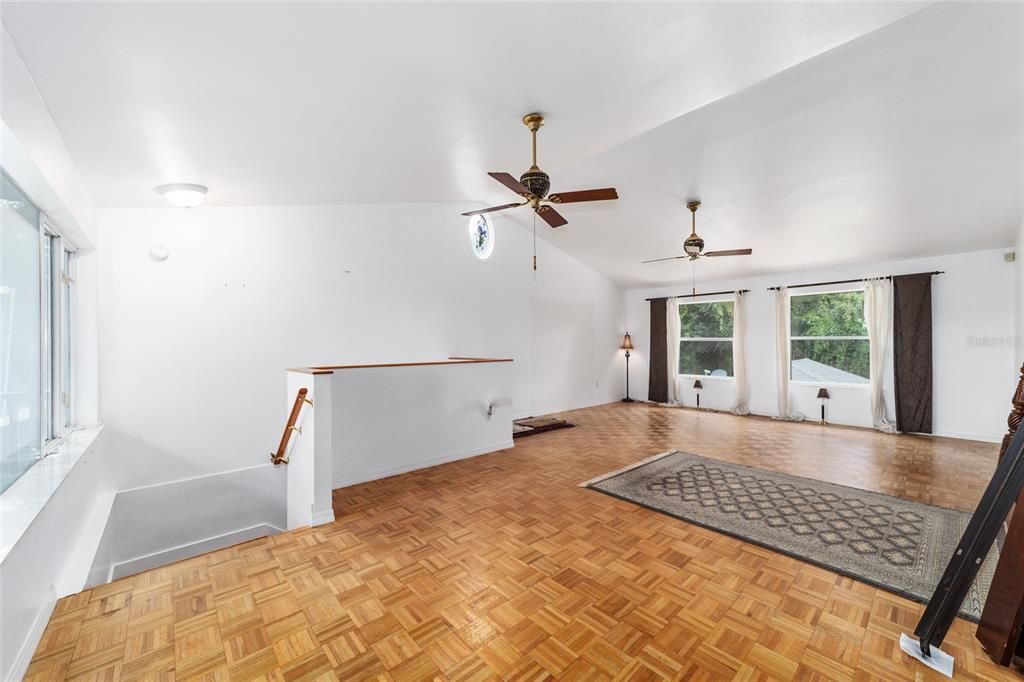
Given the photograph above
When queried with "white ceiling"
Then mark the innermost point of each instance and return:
(327, 102)
(908, 142)
(905, 141)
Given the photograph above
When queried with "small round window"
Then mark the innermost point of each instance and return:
(481, 236)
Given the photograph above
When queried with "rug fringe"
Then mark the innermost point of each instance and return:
(624, 469)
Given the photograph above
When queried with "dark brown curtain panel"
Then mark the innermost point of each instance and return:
(657, 381)
(912, 352)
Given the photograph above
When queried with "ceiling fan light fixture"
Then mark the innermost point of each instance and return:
(183, 194)
(694, 245)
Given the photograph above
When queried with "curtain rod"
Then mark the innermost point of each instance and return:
(851, 281)
(710, 293)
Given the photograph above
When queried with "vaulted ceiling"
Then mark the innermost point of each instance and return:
(813, 132)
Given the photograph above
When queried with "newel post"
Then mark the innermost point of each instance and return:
(309, 467)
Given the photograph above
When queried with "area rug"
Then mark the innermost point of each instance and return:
(529, 426)
(894, 544)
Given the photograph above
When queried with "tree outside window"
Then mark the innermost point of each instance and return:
(705, 338)
(829, 338)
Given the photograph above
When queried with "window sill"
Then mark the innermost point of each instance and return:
(705, 377)
(21, 503)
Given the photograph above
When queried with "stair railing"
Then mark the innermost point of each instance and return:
(300, 399)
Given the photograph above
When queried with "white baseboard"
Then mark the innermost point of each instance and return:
(28, 647)
(322, 517)
(984, 438)
(193, 549)
(378, 474)
(812, 419)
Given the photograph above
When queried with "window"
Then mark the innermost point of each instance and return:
(829, 338)
(36, 332)
(705, 338)
(481, 236)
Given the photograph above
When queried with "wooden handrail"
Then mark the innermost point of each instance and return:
(300, 398)
(1001, 628)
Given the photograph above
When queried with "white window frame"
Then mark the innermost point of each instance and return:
(58, 349)
(826, 384)
(730, 339)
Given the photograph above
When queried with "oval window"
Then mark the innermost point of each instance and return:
(481, 236)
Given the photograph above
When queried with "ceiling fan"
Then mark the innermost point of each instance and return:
(694, 244)
(533, 186)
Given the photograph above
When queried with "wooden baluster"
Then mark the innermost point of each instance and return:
(1001, 629)
(278, 457)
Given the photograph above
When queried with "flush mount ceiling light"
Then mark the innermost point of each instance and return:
(183, 194)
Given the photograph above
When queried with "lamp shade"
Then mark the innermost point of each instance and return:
(697, 385)
(627, 343)
(823, 393)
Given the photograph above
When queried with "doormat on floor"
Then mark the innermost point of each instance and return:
(528, 426)
(891, 543)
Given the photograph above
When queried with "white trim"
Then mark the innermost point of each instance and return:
(195, 478)
(189, 550)
(323, 517)
(828, 338)
(984, 438)
(424, 464)
(709, 377)
(32, 637)
(629, 467)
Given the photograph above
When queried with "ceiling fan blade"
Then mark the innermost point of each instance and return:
(551, 216)
(492, 209)
(509, 181)
(658, 260)
(604, 194)
(731, 252)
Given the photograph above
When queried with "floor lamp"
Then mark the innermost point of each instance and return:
(627, 345)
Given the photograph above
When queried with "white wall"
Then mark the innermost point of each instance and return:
(389, 420)
(53, 555)
(157, 525)
(973, 346)
(193, 349)
(33, 151)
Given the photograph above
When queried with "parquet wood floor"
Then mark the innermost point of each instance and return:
(500, 567)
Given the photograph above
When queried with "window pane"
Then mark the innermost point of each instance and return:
(705, 357)
(20, 400)
(830, 361)
(835, 314)
(712, 320)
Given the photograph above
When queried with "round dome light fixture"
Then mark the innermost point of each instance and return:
(183, 194)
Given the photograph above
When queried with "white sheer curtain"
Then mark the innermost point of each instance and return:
(878, 317)
(739, 355)
(672, 344)
(782, 356)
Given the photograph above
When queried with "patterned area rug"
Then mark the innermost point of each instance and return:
(894, 544)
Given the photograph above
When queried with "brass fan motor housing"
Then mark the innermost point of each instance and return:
(536, 181)
(693, 246)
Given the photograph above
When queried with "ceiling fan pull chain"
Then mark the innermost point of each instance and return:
(535, 242)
